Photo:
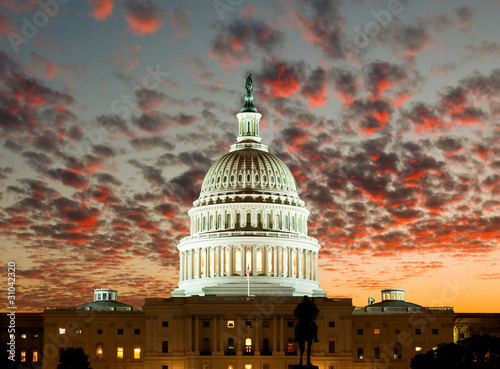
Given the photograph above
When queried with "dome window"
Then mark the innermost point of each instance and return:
(284, 180)
(232, 178)
(256, 178)
(248, 177)
(225, 179)
(272, 179)
(218, 179)
(278, 179)
(240, 178)
(213, 179)
(264, 178)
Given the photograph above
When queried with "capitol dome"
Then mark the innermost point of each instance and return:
(249, 225)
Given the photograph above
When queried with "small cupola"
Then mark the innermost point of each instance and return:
(105, 294)
(393, 294)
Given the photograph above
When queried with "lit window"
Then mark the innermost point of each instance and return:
(119, 352)
(418, 349)
(23, 356)
(360, 353)
(98, 351)
(376, 331)
(230, 366)
(12, 336)
(79, 331)
(230, 323)
(35, 356)
(137, 353)
(289, 345)
(397, 350)
(35, 335)
(248, 324)
(248, 366)
(62, 330)
(434, 348)
(23, 335)
(248, 345)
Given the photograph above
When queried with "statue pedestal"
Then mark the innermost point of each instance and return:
(305, 366)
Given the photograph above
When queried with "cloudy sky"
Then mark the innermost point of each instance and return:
(387, 113)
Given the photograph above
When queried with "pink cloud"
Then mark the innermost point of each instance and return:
(102, 9)
(144, 17)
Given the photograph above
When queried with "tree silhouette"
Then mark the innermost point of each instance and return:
(476, 352)
(74, 358)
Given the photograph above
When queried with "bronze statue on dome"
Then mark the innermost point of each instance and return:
(249, 84)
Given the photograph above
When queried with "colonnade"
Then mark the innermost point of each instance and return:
(233, 260)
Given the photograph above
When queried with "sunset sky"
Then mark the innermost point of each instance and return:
(387, 113)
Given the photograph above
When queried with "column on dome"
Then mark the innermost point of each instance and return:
(242, 258)
(254, 259)
(181, 266)
(306, 267)
(275, 261)
(290, 262)
(285, 261)
(220, 269)
(205, 258)
(198, 263)
(230, 262)
(190, 264)
(316, 267)
(298, 262)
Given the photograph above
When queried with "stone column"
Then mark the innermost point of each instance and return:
(275, 343)
(230, 254)
(197, 333)
(254, 259)
(214, 341)
(275, 261)
(190, 264)
(306, 267)
(243, 265)
(285, 261)
(207, 261)
(181, 266)
(316, 267)
(265, 262)
(282, 334)
(299, 251)
(220, 253)
(198, 263)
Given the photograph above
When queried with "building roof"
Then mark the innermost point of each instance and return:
(105, 305)
(394, 303)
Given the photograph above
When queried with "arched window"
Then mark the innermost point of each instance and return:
(249, 220)
(397, 351)
(286, 222)
(293, 223)
(211, 222)
(277, 223)
(248, 345)
(268, 221)
(228, 221)
(204, 223)
(259, 220)
(219, 221)
(238, 220)
(248, 260)
(99, 352)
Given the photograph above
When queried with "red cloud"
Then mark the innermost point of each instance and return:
(102, 9)
(144, 18)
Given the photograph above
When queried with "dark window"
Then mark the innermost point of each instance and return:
(290, 324)
(99, 331)
(331, 324)
(230, 345)
(331, 347)
(360, 330)
(397, 350)
(61, 351)
(206, 324)
(137, 331)
(265, 346)
(376, 353)
(360, 352)
(248, 324)
(120, 330)
(418, 331)
(435, 331)
(164, 347)
(164, 367)
(265, 323)
(462, 336)
(164, 324)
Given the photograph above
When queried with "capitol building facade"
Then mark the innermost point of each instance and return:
(245, 266)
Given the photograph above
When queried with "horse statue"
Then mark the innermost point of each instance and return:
(306, 329)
